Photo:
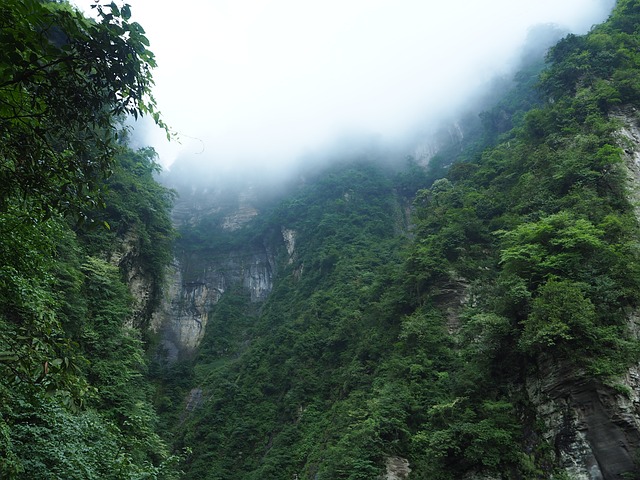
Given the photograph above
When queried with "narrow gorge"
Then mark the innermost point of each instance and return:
(460, 301)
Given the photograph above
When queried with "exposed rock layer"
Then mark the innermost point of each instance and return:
(198, 280)
(593, 427)
(183, 316)
(142, 285)
(397, 469)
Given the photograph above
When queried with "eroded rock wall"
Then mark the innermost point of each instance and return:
(183, 316)
(199, 278)
(142, 285)
(592, 427)
(397, 468)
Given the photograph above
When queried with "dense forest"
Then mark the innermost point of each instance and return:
(80, 217)
(474, 317)
(421, 311)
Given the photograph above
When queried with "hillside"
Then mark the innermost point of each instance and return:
(85, 236)
(474, 320)
(470, 312)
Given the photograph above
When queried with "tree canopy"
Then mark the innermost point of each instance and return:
(66, 81)
(73, 400)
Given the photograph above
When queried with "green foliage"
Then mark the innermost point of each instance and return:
(73, 399)
(324, 328)
(560, 316)
(48, 441)
(579, 281)
(74, 404)
(66, 83)
(33, 340)
(600, 63)
(557, 245)
(459, 438)
(382, 339)
(137, 220)
(551, 201)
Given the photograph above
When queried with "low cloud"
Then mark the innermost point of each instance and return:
(248, 82)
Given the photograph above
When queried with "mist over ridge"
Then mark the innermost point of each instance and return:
(249, 86)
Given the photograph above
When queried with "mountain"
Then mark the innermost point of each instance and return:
(470, 312)
(474, 318)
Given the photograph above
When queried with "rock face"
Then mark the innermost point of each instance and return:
(198, 279)
(141, 284)
(397, 469)
(595, 427)
(289, 237)
(629, 134)
(244, 213)
(183, 316)
(451, 135)
(453, 296)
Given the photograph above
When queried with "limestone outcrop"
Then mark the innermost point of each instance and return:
(200, 276)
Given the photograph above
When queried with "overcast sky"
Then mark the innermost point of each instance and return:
(264, 81)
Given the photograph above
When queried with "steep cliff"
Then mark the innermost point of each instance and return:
(594, 426)
(143, 285)
(429, 364)
(204, 270)
(183, 315)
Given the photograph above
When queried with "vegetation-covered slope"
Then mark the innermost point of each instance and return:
(391, 336)
(381, 341)
(74, 401)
